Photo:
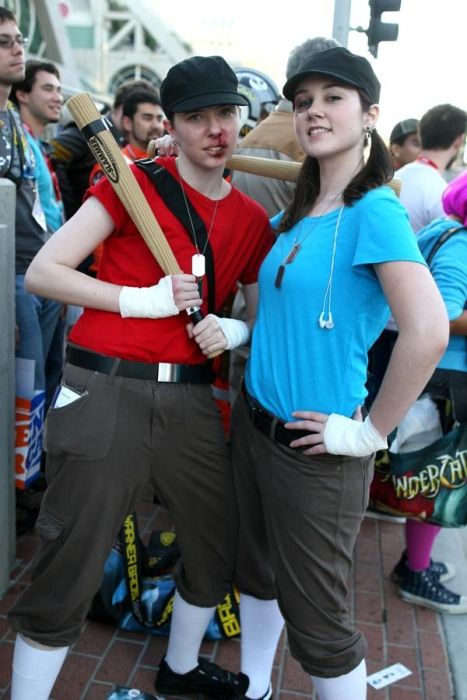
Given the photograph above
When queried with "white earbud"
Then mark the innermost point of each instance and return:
(326, 324)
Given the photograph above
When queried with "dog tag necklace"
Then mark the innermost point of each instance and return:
(286, 261)
(325, 320)
(198, 260)
(297, 245)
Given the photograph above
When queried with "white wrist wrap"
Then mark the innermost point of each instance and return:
(148, 302)
(237, 332)
(344, 436)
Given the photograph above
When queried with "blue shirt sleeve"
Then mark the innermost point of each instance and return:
(384, 231)
(449, 269)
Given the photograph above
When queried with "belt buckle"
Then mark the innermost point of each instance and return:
(168, 372)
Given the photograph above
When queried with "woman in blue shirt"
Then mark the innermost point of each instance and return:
(344, 254)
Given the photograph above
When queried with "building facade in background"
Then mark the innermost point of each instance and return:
(98, 44)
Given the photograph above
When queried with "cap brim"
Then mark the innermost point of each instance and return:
(209, 100)
(291, 85)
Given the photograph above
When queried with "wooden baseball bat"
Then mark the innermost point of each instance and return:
(287, 170)
(267, 167)
(107, 153)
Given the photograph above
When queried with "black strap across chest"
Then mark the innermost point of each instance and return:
(171, 192)
(442, 239)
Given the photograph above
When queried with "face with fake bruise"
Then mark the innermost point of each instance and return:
(208, 136)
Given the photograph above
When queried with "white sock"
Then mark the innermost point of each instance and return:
(262, 624)
(187, 628)
(35, 669)
(350, 685)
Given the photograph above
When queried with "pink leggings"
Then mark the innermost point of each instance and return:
(420, 538)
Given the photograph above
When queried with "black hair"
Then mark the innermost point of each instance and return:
(378, 170)
(129, 86)
(441, 125)
(33, 67)
(7, 16)
(137, 97)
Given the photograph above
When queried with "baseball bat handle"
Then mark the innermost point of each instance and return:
(196, 315)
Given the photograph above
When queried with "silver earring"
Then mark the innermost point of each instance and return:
(367, 133)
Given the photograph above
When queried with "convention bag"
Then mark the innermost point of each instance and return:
(429, 484)
(29, 425)
(121, 693)
(137, 590)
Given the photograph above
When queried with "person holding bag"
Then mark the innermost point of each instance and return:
(344, 254)
(444, 244)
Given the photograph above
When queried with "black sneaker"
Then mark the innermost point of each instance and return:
(424, 588)
(207, 678)
(444, 571)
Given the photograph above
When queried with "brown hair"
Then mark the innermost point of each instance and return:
(377, 171)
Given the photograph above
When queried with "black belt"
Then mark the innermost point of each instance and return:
(268, 423)
(160, 372)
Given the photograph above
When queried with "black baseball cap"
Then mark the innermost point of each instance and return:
(199, 81)
(403, 128)
(339, 63)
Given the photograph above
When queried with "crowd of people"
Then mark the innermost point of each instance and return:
(347, 325)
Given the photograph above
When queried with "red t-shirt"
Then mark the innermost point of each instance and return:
(240, 238)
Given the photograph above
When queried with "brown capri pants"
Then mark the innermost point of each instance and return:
(103, 450)
(299, 519)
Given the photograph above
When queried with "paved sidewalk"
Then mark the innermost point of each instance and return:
(396, 632)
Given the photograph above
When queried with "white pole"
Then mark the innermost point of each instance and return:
(340, 27)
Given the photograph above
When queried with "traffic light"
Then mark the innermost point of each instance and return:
(378, 30)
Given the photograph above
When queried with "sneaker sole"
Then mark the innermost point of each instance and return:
(182, 693)
(387, 517)
(438, 607)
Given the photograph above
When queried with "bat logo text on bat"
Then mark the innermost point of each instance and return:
(104, 158)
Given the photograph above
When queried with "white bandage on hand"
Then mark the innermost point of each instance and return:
(345, 436)
(236, 332)
(148, 302)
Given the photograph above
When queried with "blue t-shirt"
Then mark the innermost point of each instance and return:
(449, 269)
(53, 209)
(296, 365)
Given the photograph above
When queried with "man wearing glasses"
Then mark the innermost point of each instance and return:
(36, 317)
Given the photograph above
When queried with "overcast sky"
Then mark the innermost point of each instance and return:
(425, 67)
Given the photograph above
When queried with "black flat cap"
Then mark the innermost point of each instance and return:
(339, 63)
(199, 81)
